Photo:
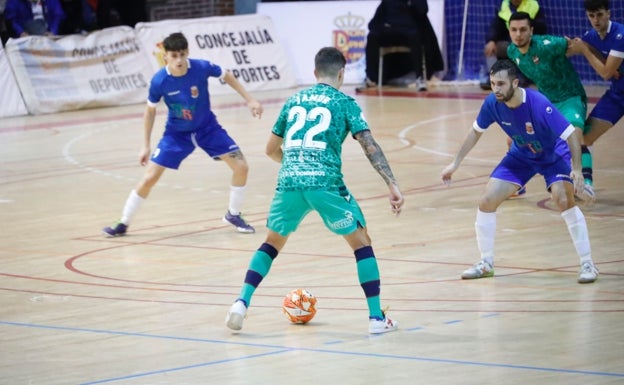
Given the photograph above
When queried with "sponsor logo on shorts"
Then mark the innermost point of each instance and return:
(347, 221)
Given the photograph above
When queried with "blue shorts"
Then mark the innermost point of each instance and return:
(175, 146)
(519, 171)
(338, 209)
(610, 107)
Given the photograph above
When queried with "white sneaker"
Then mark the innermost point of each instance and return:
(376, 326)
(588, 273)
(480, 269)
(236, 315)
(588, 196)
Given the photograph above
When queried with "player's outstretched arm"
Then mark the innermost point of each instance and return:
(378, 160)
(607, 67)
(255, 106)
(471, 139)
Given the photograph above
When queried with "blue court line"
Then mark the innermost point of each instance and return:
(283, 349)
(103, 381)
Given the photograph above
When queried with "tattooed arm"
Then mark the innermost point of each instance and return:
(379, 162)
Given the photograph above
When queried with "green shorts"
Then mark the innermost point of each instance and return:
(339, 211)
(574, 110)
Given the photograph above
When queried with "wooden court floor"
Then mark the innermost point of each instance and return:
(149, 308)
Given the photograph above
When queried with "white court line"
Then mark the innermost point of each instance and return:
(404, 132)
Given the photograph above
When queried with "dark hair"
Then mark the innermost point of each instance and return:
(521, 16)
(175, 42)
(596, 5)
(329, 61)
(505, 65)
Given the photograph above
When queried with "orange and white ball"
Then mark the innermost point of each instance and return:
(299, 306)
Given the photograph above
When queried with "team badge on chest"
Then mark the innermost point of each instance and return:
(194, 92)
(529, 128)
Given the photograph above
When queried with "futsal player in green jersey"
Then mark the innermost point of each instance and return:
(307, 140)
(542, 58)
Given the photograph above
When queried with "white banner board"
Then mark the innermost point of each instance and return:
(11, 102)
(247, 45)
(105, 68)
(305, 27)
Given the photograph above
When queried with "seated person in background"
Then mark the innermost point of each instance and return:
(403, 23)
(36, 17)
(497, 39)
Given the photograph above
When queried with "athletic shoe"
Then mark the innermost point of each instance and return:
(588, 196)
(480, 269)
(116, 230)
(239, 223)
(367, 85)
(236, 315)
(588, 273)
(421, 84)
(376, 326)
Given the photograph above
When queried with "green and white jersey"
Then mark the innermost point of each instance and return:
(546, 64)
(314, 123)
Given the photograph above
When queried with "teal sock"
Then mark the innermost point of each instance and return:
(368, 275)
(259, 267)
(587, 164)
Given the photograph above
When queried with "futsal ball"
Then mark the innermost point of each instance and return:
(299, 306)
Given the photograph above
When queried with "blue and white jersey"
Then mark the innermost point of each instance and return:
(612, 44)
(187, 96)
(537, 128)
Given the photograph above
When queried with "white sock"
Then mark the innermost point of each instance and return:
(485, 227)
(132, 205)
(575, 220)
(237, 193)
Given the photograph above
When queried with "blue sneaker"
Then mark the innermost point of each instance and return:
(239, 223)
(117, 230)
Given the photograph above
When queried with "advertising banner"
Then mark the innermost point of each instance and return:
(247, 45)
(104, 68)
(11, 102)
